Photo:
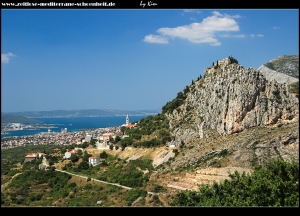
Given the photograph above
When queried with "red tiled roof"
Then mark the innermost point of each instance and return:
(30, 156)
(93, 157)
(131, 125)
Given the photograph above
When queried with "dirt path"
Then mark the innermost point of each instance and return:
(5, 184)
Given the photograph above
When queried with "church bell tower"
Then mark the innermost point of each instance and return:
(127, 119)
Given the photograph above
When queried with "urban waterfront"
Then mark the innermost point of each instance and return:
(74, 124)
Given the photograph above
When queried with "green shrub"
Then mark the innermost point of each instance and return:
(274, 184)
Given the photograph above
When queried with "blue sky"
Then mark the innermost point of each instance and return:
(128, 59)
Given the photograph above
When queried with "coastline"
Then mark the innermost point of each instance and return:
(74, 124)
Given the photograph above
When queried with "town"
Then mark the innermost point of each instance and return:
(101, 135)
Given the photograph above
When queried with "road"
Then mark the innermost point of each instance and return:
(92, 179)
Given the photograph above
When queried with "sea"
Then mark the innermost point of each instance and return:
(74, 124)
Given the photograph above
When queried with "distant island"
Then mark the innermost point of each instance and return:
(7, 118)
(29, 116)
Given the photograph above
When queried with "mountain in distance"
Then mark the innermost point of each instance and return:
(287, 64)
(285, 69)
(82, 113)
(6, 118)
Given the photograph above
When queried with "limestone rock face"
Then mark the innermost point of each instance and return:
(230, 99)
(279, 77)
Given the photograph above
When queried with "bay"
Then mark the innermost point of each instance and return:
(74, 124)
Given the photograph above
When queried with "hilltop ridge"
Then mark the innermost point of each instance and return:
(229, 103)
(286, 64)
(231, 98)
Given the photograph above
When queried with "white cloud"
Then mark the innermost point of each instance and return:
(217, 13)
(257, 35)
(203, 32)
(6, 57)
(191, 11)
(232, 16)
(232, 36)
(276, 27)
(155, 39)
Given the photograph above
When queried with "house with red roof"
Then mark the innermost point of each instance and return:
(69, 153)
(33, 156)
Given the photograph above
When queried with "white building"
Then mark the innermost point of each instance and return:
(102, 145)
(93, 161)
(64, 130)
(69, 153)
(88, 137)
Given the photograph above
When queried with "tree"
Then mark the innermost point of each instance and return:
(111, 147)
(63, 150)
(83, 165)
(123, 128)
(103, 155)
(74, 158)
(86, 156)
(79, 152)
(117, 139)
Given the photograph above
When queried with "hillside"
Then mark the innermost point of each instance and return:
(286, 64)
(284, 69)
(232, 119)
(236, 110)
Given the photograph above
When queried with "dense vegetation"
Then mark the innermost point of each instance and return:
(127, 174)
(176, 102)
(52, 188)
(33, 187)
(275, 184)
(157, 126)
(11, 157)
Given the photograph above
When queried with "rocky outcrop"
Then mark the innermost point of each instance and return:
(279, 77)
(162, 157)
(230, 99)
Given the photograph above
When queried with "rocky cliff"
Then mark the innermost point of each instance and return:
(230, 99)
